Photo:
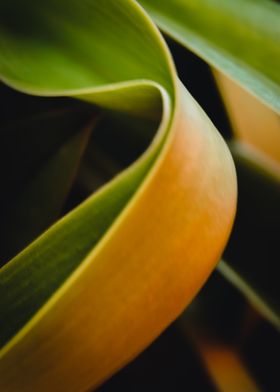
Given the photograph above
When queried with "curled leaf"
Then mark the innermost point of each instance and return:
(98, 286)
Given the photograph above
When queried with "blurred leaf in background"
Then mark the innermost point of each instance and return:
(56, 151)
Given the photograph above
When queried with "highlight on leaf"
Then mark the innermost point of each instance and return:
(100, 284)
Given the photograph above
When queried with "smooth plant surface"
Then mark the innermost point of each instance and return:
(102, 282)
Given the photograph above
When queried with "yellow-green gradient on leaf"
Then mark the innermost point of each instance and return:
(97, 287)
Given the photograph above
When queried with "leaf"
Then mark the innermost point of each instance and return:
(254, 240)
(252, 122)
(250, 258)
(29, 142)
(241, 38)
(38, 188)
(123, 264)
(164, 365)
(224, 363)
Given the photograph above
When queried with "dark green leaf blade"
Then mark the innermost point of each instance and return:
(251, 262)
(37, 184)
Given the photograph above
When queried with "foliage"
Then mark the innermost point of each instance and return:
(81, 295)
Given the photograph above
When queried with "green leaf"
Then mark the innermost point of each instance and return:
(250, 260)
(240, 38)
(90, 221)
(40, 177)
(107, 266)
